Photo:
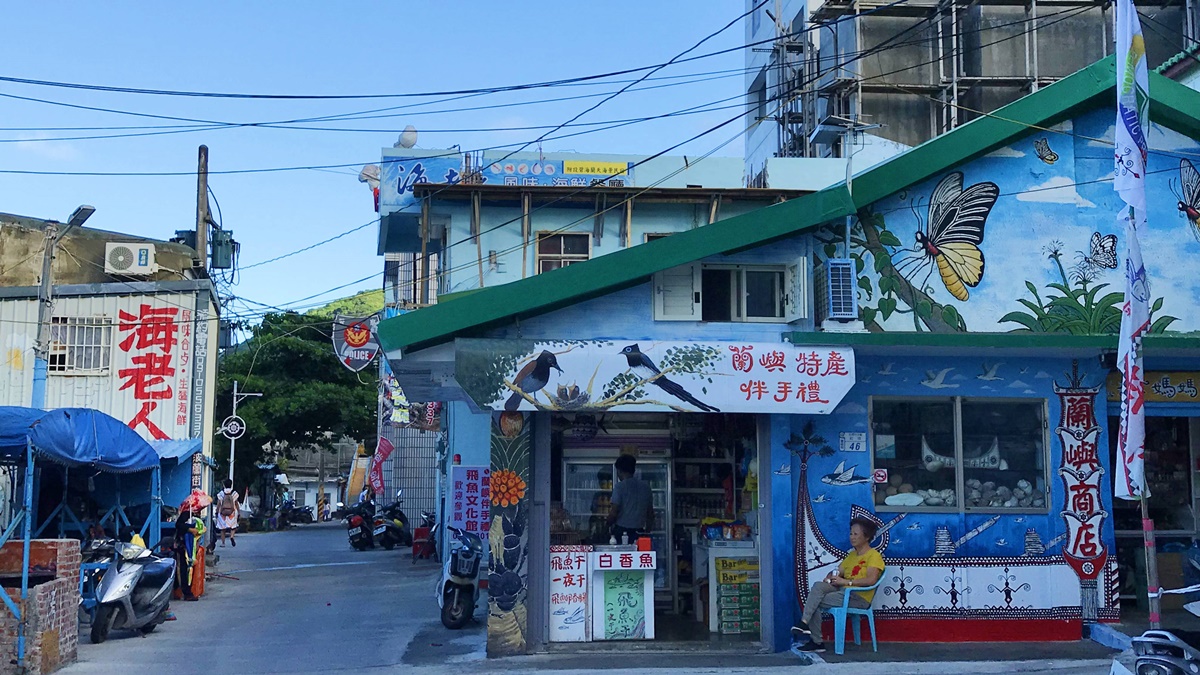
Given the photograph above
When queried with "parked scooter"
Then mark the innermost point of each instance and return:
(133, 592)
(360, 521)
(458, 589)
(428, 547)
(1161, 652)
(302, 515)
(391, 526)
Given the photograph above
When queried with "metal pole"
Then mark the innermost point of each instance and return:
(28, 534)
(1152, 589)
(233, 441)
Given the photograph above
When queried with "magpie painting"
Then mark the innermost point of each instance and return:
(532, 378)
(644, 368)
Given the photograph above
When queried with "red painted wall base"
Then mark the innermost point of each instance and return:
(969, 630)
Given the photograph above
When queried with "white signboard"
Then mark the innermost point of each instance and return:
(568, 593)
(600, 375)
(853, 441)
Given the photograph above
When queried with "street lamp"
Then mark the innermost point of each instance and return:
(41, 350)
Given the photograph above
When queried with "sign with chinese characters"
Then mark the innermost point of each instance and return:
(600, 375)
(499, 170)
(199, 369)
(853, 441)
(398, 175)
(1162, 387)
(568, 593)
(470, 498)
(375, 475)
(624, 560)
(1083, 508)
(155, 368)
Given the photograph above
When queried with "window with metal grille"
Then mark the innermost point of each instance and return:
(559, 250)
(80, 345)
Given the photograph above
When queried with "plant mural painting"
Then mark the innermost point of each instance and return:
(1022, 240)
(508, 540)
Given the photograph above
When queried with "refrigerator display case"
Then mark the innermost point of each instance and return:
(587, 498)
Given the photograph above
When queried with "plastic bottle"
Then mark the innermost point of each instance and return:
(612, 540)
(624, 538)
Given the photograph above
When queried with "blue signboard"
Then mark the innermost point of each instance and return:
(397, 176)
(498, 170)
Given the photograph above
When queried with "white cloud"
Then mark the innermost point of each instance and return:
(1017, 384)
(1042, 375)
(55, 150)
(1006, 152)
(850, 408)
(1029, 391)
(1056, 190)
(1106, 139)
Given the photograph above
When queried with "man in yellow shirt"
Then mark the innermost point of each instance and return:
(862, 566)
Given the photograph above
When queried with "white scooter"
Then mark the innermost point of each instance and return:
(458, 589)
(134, 591)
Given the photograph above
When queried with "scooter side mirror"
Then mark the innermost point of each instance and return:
(399, 493)
(340, 505)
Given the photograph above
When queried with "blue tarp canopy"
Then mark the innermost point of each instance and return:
(179, 450)
(75, 437)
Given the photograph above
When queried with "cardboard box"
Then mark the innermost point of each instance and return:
(736, 627)
(1170, 575)
(737, 564)
(737, 601)
(739, 614)
(738, 577)
(738, 589)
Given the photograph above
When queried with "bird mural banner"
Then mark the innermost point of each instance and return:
(355, 341)
(1129, 180)
(650, 375)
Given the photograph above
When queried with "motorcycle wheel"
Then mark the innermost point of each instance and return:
(388, 543)
(455, 611)
(149, 628)
(102, 623)
(362, 544)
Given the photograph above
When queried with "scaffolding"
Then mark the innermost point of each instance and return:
(924, 67)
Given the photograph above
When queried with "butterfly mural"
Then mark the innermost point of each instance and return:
(951, 235)
(1042, 147)
(1189, 194)
(1103, 252)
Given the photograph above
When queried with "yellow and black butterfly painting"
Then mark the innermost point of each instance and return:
(951, 236)
(1042, 147)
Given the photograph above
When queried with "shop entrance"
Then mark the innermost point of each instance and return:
(703, 472)
(1173, 476)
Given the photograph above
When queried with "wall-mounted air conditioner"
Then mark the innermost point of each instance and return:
(836, 295)
(129, 259)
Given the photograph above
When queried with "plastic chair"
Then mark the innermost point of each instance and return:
(840, 614)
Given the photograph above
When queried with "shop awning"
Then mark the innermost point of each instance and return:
(75, 437)
(179, 450)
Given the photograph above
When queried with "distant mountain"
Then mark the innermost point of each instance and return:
(361, 304)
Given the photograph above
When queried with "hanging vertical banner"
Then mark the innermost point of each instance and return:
(354, 340)
(470, 498)
(1129, 180)
(375, 475)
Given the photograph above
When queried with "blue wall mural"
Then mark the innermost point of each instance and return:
(1026, 238)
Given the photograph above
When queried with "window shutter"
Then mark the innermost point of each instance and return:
(795, 290)
(677, 294)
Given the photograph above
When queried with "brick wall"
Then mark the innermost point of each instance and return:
(52, 628)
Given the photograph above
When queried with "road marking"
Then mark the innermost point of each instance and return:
(301, 566)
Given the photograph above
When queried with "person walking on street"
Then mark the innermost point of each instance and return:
(227, 512)
(862, 566)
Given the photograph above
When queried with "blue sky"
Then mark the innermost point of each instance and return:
(323, 48)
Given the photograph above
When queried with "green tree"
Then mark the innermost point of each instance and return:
(308, 397)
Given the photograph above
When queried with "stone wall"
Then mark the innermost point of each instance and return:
(52, 628)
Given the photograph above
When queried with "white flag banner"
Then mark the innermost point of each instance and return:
(1129, 180)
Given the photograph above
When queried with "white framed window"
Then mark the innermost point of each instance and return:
(960, 454)
(555, 250)
(732, 293)
(80, 345)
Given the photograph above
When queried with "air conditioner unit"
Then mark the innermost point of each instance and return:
(836, 294)
(129, 259)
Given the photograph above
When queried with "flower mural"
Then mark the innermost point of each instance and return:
(508, 541)
(507, 488)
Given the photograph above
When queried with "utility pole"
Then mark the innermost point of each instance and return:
(321, 498)
(41, 350)
(228, 428)
(202, 218)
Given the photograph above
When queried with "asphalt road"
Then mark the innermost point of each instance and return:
(302, 602)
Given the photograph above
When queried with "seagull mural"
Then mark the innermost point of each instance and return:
(842, 476)
(989, 373)
(938, 380)
(887, 370)
(783, 470)
(821, 498)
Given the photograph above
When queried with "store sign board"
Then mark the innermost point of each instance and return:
(601, 375)
(624, 560)
(1162, 387)
(568, 593)
(503, 170)
(470, 498)
(398, 176)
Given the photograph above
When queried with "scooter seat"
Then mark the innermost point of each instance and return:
(159, 571)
